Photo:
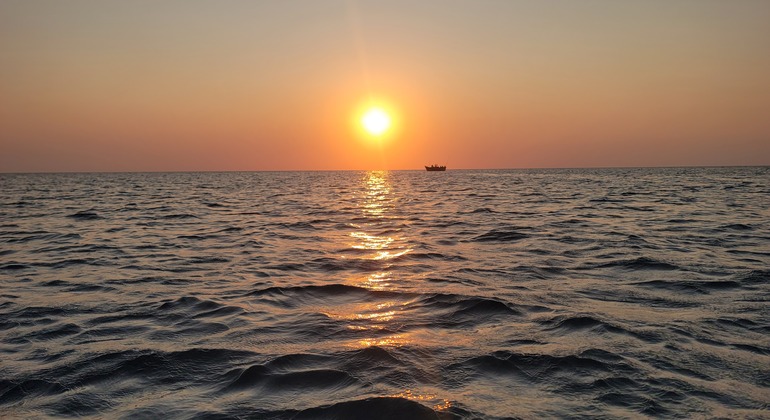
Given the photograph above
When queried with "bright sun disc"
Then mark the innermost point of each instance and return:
(376, 121)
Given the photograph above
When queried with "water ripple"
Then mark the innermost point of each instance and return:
(608, 293)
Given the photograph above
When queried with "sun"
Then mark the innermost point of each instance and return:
(376, 121)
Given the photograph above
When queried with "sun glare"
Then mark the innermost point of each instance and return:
(376, 121)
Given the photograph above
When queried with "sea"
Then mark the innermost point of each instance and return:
(465, 294)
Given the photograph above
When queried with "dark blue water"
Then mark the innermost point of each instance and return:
(462, 294)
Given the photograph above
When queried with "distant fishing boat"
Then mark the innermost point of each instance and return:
(433, 168)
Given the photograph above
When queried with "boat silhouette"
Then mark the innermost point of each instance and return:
(433, 168)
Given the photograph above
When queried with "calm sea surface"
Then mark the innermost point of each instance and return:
(459, 294)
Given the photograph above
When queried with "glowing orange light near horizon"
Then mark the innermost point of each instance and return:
(376, 121)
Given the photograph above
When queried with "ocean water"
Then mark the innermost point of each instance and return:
(605, 293)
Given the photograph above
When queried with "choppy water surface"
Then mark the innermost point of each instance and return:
(539, 293)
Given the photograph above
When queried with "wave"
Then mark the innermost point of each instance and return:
(464, 308)
(14, 266)
(764, 351)
(436, 256)
(754, 277)
(85, 215)
(208, 260)
(501, 235)
(305, 380)
(13, 391)
(179, 216)
(53, 333)
(533, 367)
(326, 290)
(479, 210)
(44, 236)
(641, 263)
(298, 226)
(198, 308)
(567, 324)
(379, 408)
(690, 286)
(737, 226)
(66, 263)
(38, 312)
(637, 403)
(739, 325)
(353, 264)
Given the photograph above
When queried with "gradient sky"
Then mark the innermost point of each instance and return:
(146, 85)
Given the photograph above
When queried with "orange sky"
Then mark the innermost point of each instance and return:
(275, 85)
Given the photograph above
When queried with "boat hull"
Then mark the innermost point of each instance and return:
(435, 168)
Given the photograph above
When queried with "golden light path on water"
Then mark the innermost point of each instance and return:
(377, 200)
(382, 243)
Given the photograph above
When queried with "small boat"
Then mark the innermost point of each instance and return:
(433, 168)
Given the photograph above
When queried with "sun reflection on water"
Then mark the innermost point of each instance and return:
(376, 281)
(377, 200)
(367, 241)
(397, 340)
(440, 403)
(378, 320)
(368, 312)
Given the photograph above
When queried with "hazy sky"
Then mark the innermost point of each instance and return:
(263, 85)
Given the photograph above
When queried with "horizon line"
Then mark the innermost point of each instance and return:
(369, 170)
